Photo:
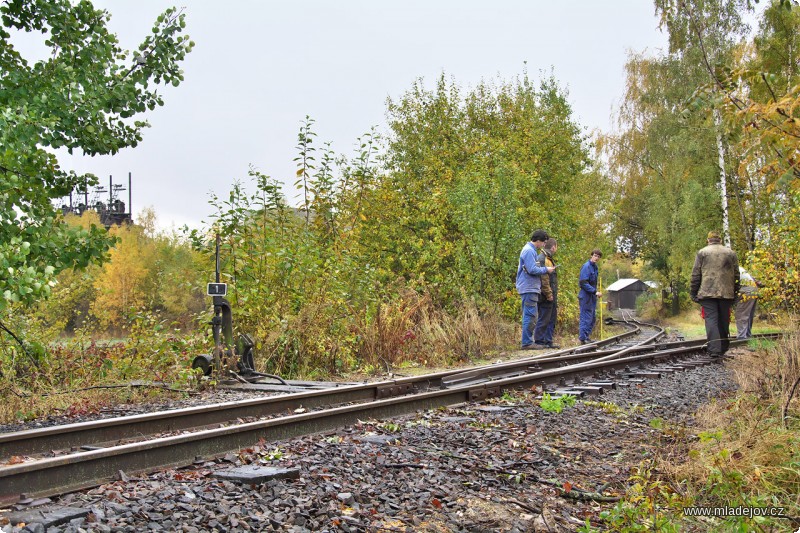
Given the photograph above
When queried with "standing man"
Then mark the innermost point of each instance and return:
(714, 285)
(548, 302)
(529, 284)
(587, 296)
(746, 304)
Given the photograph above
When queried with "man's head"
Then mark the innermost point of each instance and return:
(538, 237)
(550, 245)
(713, 237)
(596, 255)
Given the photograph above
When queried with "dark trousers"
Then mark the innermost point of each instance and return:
(546, 324)
(717, 314)
(587, 307)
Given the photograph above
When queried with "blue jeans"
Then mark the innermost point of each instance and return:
(546, 325)
(530, 310)
(587, 316)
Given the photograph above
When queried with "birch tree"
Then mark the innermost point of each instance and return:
(712, 27)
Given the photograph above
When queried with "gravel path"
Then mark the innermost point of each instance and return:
(499, 466)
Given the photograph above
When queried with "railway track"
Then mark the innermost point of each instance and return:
(102, 433)
(106, 447)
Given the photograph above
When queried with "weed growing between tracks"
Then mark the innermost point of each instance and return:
(743, 452)
(556, 405)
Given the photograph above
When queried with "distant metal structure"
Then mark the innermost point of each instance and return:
(111, 210)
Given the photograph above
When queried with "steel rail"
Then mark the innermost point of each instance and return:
(114, 430)
(579, 353)
(699, 343)
(66, 473)
(61, 474)
(111, 430)
(617, 355)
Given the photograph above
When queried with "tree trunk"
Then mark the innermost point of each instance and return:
(723, 182)
(676, 301)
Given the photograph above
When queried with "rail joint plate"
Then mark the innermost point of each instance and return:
(396, 389)
(477, 395)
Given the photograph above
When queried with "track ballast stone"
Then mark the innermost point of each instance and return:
(465, 468)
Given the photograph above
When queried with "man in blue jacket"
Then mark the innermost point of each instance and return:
(529, 284)
(587, 296)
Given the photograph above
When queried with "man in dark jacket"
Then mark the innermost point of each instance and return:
(548, 301)
(714, 285)
(587, 296)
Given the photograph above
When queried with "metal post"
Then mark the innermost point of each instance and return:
(600, 303)
(130, 197)
(110, 193)
(217, 254)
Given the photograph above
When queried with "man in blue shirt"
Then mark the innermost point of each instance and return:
(587, 296)
(529, 284)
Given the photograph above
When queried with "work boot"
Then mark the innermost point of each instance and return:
(553, 346)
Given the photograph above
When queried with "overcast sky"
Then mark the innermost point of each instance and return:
(259, 67)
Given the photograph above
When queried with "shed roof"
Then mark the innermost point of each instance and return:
(621, 284)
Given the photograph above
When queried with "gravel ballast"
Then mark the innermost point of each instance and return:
(505, 465)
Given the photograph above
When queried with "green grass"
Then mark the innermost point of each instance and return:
(742, 451)
(691, 325)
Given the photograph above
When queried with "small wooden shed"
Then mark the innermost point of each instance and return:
(622, 293)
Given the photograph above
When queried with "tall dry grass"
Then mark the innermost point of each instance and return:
(772, 371)
(748, 447)
(467, 334)
(411, 328)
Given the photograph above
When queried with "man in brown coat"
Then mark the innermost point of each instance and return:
(548, 301)
(714, 285)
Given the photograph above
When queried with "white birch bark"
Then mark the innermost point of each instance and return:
(723, 182)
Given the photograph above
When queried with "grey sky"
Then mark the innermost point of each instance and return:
(259, 67)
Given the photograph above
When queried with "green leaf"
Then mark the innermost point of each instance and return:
(61, 101)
